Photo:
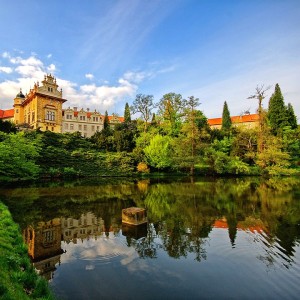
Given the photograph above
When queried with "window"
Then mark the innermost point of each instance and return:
(71, 126)
(82, 118)
(50, 115)
(98, 128)
(95, 119)
(32, 116)
(93, 128)
(85, 127)
(48, 236)
(79, 127)
(66, 126)
(69, 117)
(52, 128)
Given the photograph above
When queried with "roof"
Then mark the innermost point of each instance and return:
(6, 114)
(111, 118)
(235, 119)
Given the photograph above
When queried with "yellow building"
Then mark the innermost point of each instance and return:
(41, 107)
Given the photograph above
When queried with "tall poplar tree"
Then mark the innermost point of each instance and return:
(106, 122)
(277, 112)
(226, 120)
(127, 116)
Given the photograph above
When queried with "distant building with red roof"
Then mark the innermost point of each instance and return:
(247, 121)
(7, 115)
(85, 121)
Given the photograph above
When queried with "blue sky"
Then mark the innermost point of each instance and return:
(104, 52)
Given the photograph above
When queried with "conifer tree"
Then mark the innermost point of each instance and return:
(106, 121)
(127, 116)
(277, 112)
(226, 120)
(291, 117)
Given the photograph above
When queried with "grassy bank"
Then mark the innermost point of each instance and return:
(18, 279)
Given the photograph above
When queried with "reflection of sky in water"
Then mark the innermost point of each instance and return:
(107, 268)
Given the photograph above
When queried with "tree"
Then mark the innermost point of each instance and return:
(260, 95)
(18, 157)
(158, 153)
(127, 116)
(226, 120)
(8, 127)
(192, 134)
(143, 104)
(171, 109)
(106, 122)
(277, 112)
(291, 117)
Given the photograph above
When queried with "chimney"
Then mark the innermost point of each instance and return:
(75, 108)
(87, 109)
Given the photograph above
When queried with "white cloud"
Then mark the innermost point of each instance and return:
(95, 96)
(51, 68)
(89, 76)
(49, 55)
(6, 70)
(5, 55)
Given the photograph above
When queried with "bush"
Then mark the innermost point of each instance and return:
(142, 167)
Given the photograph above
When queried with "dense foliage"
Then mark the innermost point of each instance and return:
(178, 139)
(19, 279)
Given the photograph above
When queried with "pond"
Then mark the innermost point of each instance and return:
(236, 238)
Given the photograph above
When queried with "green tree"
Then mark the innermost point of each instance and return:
(260, 95)
(127, 116)
(8, 127)
(18, 157)
(106, 122)
(159, 153)
(226, 120)
(277, 112)
(124, 136)
(291, 117)
(143, 104)
(171, 109)
(272, 160)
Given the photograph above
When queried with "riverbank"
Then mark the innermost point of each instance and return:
(18, 277)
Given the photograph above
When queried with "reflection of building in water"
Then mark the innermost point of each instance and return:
(249, 224)
(44, 240)
(44, 246)
(88, 225)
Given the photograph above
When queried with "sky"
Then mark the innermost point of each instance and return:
(105, 52)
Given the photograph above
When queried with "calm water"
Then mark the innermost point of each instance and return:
(205, 238)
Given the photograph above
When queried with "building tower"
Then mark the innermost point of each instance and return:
(41, 108)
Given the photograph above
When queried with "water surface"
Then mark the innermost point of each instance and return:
(205, 238)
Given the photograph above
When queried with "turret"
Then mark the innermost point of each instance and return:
(18, 108)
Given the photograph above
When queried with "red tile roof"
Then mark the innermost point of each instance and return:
(121, 119)
(6, 114)
(235, 119)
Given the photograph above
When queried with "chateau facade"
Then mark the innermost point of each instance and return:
(42, 109)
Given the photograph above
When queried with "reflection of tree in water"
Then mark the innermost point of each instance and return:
(181, 214)
(186, 213)
(146, 247)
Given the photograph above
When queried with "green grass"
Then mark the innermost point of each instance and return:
(18, 279)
